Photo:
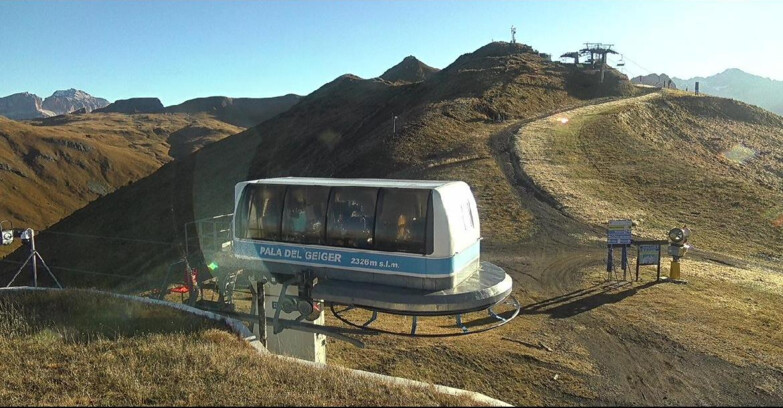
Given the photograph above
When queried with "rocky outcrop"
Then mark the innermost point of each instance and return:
(67, 101)
(23, 105)
(134, 105)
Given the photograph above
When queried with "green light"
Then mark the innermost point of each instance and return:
(212, 266)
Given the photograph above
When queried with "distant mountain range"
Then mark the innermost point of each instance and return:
(737, 84)
(658, 81)
(25, 105)
(244, 112)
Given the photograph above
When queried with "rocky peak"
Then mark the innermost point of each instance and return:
(69, 100)
(23, 105)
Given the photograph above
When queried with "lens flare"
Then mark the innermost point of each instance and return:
(739, 154)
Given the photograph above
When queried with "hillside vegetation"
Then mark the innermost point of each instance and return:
(86, 348)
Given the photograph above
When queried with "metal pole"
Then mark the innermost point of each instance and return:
(625, 262)
(261, 307)
(638, 253)
(20, 270)
(35, 261)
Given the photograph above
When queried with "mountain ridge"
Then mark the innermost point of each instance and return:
(243, 112)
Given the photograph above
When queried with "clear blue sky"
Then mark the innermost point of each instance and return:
(178, 50)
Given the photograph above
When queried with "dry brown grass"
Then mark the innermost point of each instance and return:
(52, 167)
(716, 341)
(667, 160)
(56, 352)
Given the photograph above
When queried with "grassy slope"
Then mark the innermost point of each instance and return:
(57, 165)
(70, 348)
(667, 160)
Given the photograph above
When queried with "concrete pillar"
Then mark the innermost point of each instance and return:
(294, 343)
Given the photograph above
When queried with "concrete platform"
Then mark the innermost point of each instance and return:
(487, 286)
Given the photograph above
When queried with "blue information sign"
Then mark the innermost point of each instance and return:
(619, 232)
(649, 254)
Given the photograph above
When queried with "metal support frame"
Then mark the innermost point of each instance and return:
(623, 261)
(34, 256)
(277, 327)
(510, 300)
(372, 319)
(460, 325)
(258, 309)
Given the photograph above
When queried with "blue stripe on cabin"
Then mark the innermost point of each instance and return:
(356, 259)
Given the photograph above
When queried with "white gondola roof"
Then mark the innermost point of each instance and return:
(336, 182)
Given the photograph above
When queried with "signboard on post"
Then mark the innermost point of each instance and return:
(619, 232)
(649, 254)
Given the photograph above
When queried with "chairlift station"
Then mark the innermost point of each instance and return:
(400, 247)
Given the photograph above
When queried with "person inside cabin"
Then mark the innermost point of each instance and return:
(298, 215)
(403, 230)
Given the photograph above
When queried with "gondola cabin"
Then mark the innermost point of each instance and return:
(406, 233)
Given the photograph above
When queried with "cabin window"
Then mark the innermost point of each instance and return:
(304, 216)
(262, 205)
(351, 217)
(467, 216)
(402, 220)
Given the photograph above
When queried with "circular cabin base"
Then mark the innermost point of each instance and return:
(487, 286)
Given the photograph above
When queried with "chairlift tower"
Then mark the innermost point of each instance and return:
(574, 55)
(600, 49)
